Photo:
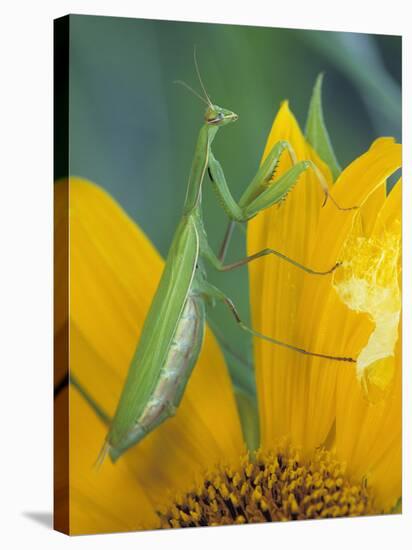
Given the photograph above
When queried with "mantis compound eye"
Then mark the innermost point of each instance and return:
(216, 119)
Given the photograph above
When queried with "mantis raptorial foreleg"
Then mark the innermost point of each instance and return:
(259, 196)
(211, 292)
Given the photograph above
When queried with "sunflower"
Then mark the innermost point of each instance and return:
(330, 432)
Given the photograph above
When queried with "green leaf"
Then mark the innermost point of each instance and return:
(249, 418)
(350, 53)
(316, 132)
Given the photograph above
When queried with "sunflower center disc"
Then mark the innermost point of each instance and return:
(275, 486)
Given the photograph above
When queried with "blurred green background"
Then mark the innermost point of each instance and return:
(133, 131)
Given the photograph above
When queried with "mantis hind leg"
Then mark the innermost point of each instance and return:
(212, 292)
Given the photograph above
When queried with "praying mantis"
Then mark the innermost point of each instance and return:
(173, 331)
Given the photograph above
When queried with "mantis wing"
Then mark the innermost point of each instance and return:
(158, 330)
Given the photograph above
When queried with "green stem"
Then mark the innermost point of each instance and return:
(100, 413)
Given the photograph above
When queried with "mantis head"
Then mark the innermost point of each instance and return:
(217, 116)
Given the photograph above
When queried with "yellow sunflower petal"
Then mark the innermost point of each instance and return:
(114, 273)
(61, 204)
(375, 449)
(102, 500)
(325, 322)
(61, 281)
(354, 186)
(297, 394)
(368, 282)
(369, 435)
(284, 378)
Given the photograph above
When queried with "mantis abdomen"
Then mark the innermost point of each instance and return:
(180, 360)
(167, 392)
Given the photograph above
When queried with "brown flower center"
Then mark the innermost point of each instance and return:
(275, 486)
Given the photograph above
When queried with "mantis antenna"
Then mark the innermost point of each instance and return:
(206, 98)
(185, 85)
(200, 78)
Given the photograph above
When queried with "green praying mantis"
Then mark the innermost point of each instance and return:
(173, 331)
